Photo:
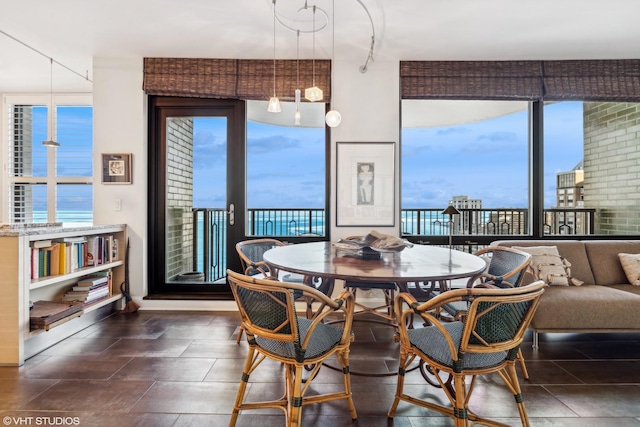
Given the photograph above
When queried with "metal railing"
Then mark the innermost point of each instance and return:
(506, 221)
(286, 222)
(210, 227)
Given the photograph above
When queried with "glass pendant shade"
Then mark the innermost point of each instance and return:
(313, 93)
(333, 118)
(274, 105)
(296, 116)
(51, 143)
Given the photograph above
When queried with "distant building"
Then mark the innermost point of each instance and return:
(570, 188)
(469, 221)
(569, 195)
(464, 202)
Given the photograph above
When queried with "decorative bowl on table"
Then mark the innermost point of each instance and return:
(371, 245)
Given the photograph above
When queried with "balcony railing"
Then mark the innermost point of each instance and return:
(509, 221)
(210, 227)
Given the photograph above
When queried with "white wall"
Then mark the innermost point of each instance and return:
(370, 107)
(369, 104)
(120, 126)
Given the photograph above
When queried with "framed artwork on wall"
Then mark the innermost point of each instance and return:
(116, 168)
(365, 182)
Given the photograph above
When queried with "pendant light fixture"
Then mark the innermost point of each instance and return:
(50, 142)
(313, 93)
(274, 102)
(333, 117)
(297, 92)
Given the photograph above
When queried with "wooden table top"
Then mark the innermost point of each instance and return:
(419, 263)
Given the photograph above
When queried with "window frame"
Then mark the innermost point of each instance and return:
(51, 180)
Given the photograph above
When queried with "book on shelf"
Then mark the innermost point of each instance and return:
(62, 265)
(40, 243)
(46, 313)
(86, 296)
(90, 288)
(54, 259)
(35, 263)
(92, 251)
(78, 239)
(92, 280)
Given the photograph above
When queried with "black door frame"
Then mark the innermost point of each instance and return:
(159, 109)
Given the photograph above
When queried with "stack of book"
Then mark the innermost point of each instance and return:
(89, 290)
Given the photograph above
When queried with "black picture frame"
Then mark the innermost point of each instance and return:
(116, 168)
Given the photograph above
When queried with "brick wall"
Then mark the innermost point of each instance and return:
(179, 196)
(612, 165)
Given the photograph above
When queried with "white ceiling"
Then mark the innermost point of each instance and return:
(75, 31)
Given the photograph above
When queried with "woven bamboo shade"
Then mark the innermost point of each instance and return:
(522, 80)
(598, 80)
(231, 78)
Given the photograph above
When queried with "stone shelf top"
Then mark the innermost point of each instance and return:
(35, 229)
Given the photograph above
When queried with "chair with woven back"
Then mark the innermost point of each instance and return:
(487, 340)
(506, 268)
(251, 258)
(275, 331)
(251, 252)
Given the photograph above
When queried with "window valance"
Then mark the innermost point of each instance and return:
(232, 78)
(613, 80)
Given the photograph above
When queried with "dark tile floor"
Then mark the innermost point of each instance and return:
(183, 368)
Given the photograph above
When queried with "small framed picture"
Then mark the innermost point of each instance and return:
(116, 168)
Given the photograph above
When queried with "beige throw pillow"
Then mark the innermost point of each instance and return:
(548, 265)
(631, 266)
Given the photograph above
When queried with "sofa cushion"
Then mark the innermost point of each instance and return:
(604, 260)
(631, 266)
(571, 250)
(587, 307)
(549, 266)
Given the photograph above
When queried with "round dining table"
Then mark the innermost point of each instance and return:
(423, 265)
(418, 263)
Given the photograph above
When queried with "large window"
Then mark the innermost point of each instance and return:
(49, 184)
(479, 157)
(591, 155)
(286, 172)
(583, 148)
(471, 154)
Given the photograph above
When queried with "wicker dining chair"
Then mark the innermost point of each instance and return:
(275, 331)
(251, 258)
(251, 252)
(506, 268)
(486, 341)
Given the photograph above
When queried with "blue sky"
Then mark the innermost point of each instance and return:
(286, 165)
(485, 160)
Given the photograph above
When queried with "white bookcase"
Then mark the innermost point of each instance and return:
(17, 341)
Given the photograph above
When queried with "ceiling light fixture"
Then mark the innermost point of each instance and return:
(50, 142)
(297, 92)
(363, 68)
(313, 93)
(333, 117)
(274, 102)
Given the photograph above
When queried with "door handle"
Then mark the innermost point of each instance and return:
(232, 214)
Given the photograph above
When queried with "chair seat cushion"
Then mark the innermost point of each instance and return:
(324, 339)
(430, 341)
